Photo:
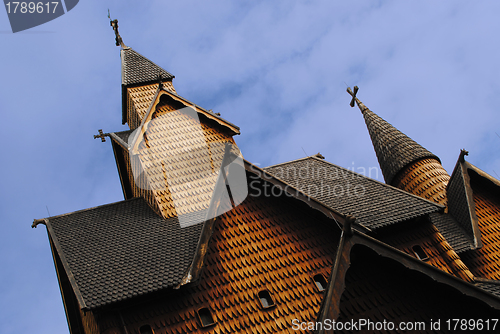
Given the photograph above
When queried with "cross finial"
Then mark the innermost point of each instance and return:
(118, 38)
(101, 135)
(353, 100)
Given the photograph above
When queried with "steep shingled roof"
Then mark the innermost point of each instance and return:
(373, 203)
(138, 69)
(461, 201)
(394, 149)
(122, 250)
(453, 233)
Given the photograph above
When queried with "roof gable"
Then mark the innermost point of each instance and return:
(173, 158)
(461, 201)
(483, 262)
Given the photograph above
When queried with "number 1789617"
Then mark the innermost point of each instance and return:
(31, 7)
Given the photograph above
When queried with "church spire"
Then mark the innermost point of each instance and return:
(398, 154)
(394, 149)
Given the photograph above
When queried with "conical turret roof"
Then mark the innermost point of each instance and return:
(394, 149)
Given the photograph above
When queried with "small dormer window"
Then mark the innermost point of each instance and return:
(320, 282)
(146, 329)
(205, 316)
(420, 252)
(265, 299)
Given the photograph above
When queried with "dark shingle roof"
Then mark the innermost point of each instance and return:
(460, 205)
(452, 232)
(138, 69)
(123, 135)
(493, 288)
(394, 149)
(121, 250)
(373, 203)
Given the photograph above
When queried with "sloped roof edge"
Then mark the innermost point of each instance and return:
(209, 114)
(64, 261)
(461, 199)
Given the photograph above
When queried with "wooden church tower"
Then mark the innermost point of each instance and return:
(285, 254)
(470, 196)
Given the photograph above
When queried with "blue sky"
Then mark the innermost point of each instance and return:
(276, 69)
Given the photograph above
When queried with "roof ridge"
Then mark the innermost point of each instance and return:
(367, 178)
(96, 207)
(286, 162)
(270, 176)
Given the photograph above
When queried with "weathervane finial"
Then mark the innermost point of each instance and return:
(114, 24)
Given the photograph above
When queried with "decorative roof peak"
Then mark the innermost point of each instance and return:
(354, 99)
(394, 149)
(118, 38)
(463, 153)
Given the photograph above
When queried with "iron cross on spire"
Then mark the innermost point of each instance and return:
(118, 38)
(101, 135)
(353, 100)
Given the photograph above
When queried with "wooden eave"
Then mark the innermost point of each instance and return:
(210, 115)
(67, 269)
(235, 130)
(120, 148)
(330, 308)
(74, 321)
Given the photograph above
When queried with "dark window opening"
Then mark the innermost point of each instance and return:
(265, 299)
(419, 252)
(205, 316)
(146, 329)
(320, 282)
